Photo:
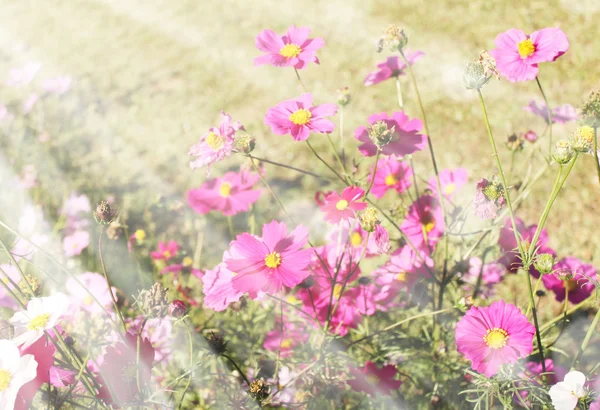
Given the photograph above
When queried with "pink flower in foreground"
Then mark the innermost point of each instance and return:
(495, 335)
(230, 194)
(405, 140)
(165, 251)
(394, 66)
(572, 274)
(560, 115)
(218, 288)
(517, 55)
(298, 117)
(424, 222)
(372, 380)
(343, 207)
(391, 174)
(75, 243)
(450, 180)
(216, 144)
(293, 49)
(267, 264)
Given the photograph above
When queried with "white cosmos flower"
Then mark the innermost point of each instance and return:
(41, 314)
(15, 371)
(567, 393)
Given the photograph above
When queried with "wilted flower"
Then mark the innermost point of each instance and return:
(591, 109)
(259, 390)
(154, 302)
(563, 152)
(515, 142)
(393, 39)
(216, 344)
(104, 213)
(479, 72)
(380, 134)
(343, 96)
(177, 308)
(489, 199)
(244, 144)
(369, 218)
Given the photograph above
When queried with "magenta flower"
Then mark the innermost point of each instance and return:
(293, 49)
(572, 274)
(494, 335)
(372, 380)
(216, 144)
(595, 405)
(531, 136)
(424, 222)
(394, 66)
(405, 140)
(230, 194)
(298, 117)
(343, 207)
(391, 174)
(517, 54)
(165, 251)
(560, 115)
(267, 264)
(218, 289)
(450, 181)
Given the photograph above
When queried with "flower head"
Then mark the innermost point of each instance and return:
(479, 72)
(372, 380)
(165, 251)
(450, 181)
(517, 54)
(216, 144)
(75, 243)
(573, 275)
(393, 39)
(394, 66)
(424, 222)
(293, 49)
(15, 371)
(582, 140)
(590, 111)
(494, 335)
(41, 314)
(391, 174)
(266, 264)
(489, 199)
(404, 140)
(343, 207)
(298, 117)
(566, 394)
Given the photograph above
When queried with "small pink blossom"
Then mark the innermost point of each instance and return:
(372, 380)
(450, 181)
(293, 49)
(230, 194)
(424, 222)
(517, 55)
(394, 66)
(391, 174)
(531, 136)
(285, 336)
(75, 243)
(343, 207)
(490, 274)
(560, 115)
(298, 117)
(405, 140)
(165, 251)
(216, 144)
(404, 269)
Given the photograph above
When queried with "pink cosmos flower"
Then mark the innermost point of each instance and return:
(267, 264)
(230, 194)
(293, 49)
(405, 140)
(391, 174)
(450, 181)
(394, 66)
(595, 405)
(298, 117)
(216, 144)
(372, 380)
(218, 288)
(356, 241)
(75, 243)
(76, 204)
(572, 274)
(343, 207)
(165, 251)
(424, 222)
(184, 266)
(560, 115)
(96, 285)
(159, 331)
(494, 335)
(517, 55)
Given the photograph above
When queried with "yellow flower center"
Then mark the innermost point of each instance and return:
(372, 380)
(449, 189)
(526, 48)
(290, 50)
(356, 239)
(292, 299)
(187, 261)
(140, 235)
(214, 141)
(88, 301)
(225, 189)
(337, 291)
(167, 254)
(401, 277)
(5, 378)
(496, 338)
(273, 260)
(341, 205)
(39, 322)
(587, 133)
(301, 116)
(286, 343)
(391, 180)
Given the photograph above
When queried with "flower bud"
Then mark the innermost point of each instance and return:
(104, 214)
(364, 280)
(244, 144)
(479, 72)
(590, 112)
(515, 142)
(380, 134)
(531, 136)
(544, 263)
(154, 302)
(583, 139)
(69, 341)
(563, 153)
(465, 303)
(343, 96)
(564, 274)
(177, 309)
(393, 39)
(369, 219)
(216, 344)
(540, 293)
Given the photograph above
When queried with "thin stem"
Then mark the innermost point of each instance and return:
(264, 181)
(586, 340)
(557, 319)
(237, 368)
(548, 113)
(302, 171)
(374, 172)
(337, 157)
(112, 295)
(399, 92)
(189, 380)
(325, 162)
(14, 261)
(299, 79)
(230, 225)
(596, 152)
(342, 134)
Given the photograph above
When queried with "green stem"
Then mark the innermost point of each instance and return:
(189, 380)
(237, 368)
(273, 194)
(325, 162)
(337, 157)
(112, 295)
(342, 134)
(596, 152)
(399, 92)
(302, 171)
(557, 319)
(586, 340)
(548, 113)
(374, 172)
(299, 79)
(230, 225)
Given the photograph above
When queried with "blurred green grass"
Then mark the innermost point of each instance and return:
(153, 76)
